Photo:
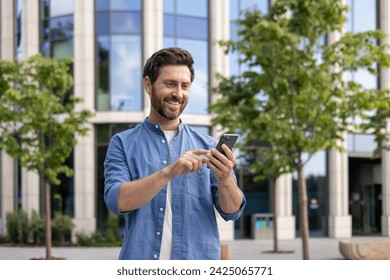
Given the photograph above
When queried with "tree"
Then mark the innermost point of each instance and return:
(260, 157)
(294, 95)
(38, 120)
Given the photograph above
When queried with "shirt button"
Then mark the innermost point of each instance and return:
(155, 256)
(164, 161)
(162, 141)
(161, 209)
(156, 126)
(158, 233)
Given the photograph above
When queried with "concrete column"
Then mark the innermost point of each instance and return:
(384, 13)
(7, 16)
(84, 151)
(7, 184)
(153, 14)
(286, 221)
(339, 220)
(219, 30)
(30, 46)
(30, 27)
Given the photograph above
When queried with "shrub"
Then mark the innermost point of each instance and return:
(23, 227)
(37, 228)
(12, 227)
(62, 226)
(17, 227)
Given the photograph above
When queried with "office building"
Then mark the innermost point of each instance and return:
(110, 40)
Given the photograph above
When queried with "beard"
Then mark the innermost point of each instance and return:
(163, 109)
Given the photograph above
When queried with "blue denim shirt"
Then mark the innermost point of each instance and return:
(143, 150)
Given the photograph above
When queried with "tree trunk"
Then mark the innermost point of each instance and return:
(303, 212)
(275, 212)
(48, 243)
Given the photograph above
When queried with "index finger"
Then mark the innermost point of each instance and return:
(200, 152)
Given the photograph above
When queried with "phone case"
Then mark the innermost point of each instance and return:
(228, 139)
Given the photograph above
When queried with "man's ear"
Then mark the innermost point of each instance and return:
(147, 85)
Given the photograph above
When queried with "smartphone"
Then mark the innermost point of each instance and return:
(228, 139)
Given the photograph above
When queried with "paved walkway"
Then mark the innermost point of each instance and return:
(247, 249)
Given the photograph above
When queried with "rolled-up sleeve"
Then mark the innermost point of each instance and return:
(116, 172)
(226, 217)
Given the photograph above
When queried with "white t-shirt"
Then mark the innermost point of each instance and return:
(166, 243)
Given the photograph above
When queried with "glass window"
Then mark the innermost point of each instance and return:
(62, 49)
(61, 28)
(125, 5)
(61, 7)
(361, 143)
(316, 182)
(119, 55)
(169, 6)
(129, 23)
(57, 29)
(102, 75)
(19, 50)
(192, 8)
(102, 23)
(238, 6)
(194, 28)
(101, 5)
(169, 26)
(125, 73)
(361, 16)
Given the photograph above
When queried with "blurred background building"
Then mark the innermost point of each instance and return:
(110, 40)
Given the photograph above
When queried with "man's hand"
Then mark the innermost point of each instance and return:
(230, 197)
(221, 165)
(190, 161)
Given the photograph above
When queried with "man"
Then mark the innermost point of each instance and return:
(166, 178)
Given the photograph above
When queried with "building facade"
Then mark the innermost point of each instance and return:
(110, 40)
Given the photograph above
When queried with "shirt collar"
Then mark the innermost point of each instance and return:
(156, 126)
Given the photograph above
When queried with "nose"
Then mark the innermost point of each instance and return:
(178, 92)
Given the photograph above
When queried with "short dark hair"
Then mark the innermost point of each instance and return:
(167, 56)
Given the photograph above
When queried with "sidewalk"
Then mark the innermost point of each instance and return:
(243, 249)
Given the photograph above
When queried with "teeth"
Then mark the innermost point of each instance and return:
(173, 103)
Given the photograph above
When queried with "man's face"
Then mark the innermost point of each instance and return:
(170, 93)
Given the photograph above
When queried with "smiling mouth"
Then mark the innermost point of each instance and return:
(172, 102)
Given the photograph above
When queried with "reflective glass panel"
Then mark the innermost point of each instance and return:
(361, 16)
(169, 26)
(61, 28)
(238, 6)
(101, 5)
(62, 49)
(102, 75)
(61, 7)
(125, 5)
(361, 143)
(192, 8)
(194, 28)
(169, 6)
(129, 23)
(125, 73)
(19, 49)
(102, 23)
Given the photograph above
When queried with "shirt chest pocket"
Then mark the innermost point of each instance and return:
(198, 183)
